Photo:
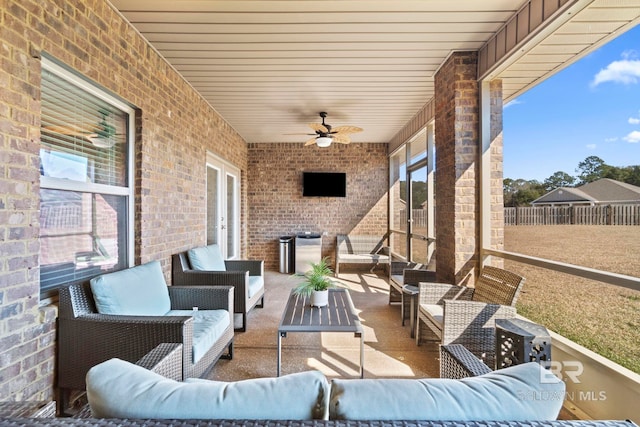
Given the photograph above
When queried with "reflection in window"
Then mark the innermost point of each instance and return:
(81, 235)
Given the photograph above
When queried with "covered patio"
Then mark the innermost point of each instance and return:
(198, 136)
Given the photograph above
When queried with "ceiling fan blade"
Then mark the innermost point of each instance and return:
(310, 142)
(318, 127)
(341, 138)
(346, 129)
(67, 130)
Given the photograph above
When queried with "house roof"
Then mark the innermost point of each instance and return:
(269, 67)
(610, 190)
(564, 195)
(601, 191)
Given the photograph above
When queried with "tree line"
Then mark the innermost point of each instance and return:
(521, 192)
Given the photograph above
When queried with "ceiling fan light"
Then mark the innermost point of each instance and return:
(101, 142)
(323, 141)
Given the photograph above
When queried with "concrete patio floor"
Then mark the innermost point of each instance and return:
(389, 351)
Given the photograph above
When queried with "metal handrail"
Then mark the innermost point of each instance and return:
(576, 270)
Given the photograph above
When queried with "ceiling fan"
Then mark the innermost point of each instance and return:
(325, 134)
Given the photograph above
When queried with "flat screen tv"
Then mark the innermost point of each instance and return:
(324, 184)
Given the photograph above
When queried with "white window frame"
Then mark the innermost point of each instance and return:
(87, 187)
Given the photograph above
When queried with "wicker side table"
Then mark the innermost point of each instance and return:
(519, 341)
(30, 409)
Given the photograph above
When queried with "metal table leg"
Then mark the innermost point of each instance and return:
(361, 353)
(279, 357)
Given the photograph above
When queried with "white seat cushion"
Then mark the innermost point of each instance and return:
(256, 283)
(434, 312)
(208, 326)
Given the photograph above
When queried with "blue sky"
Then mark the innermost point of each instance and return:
(591, 108)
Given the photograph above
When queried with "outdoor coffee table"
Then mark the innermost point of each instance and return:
(338, 316)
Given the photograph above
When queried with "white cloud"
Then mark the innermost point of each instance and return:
(512, 103)
(591, 146)
(630, 54)
(633, 137)
(634, 121)
(614, 139)
(624, 71)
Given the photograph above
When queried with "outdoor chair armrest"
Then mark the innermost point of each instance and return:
(254, 267)
(203, 297)
(90, 339)
(457, 362)
(165, 359)
(436, 293)
(202, 277)
(384, 251)
(396, 268)
(238, 279)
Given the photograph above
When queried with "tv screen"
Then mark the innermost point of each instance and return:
(324, 184)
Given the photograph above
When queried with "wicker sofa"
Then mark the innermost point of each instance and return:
(165, 359)
(93, 328)
(101, 422)
(119, 389)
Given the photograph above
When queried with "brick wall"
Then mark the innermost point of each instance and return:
(456, 192)
(175, 128)
(276, 205)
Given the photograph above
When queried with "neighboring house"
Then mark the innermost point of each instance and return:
(601, 192)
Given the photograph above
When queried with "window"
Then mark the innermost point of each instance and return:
(85, 180)
(411, 207)
(398, 202)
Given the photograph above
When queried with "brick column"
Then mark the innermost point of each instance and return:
(496, 184)
(456, 184)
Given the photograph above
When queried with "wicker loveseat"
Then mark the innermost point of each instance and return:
(360, 249)
(89, 333)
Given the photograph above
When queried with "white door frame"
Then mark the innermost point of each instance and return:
(226, 229)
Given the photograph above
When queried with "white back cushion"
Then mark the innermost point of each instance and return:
(135, 291)
(526, 392)
(206, 258)
(119, 389)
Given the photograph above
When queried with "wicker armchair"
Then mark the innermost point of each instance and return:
(237, 275)
(494, 286)
(470, 325)
(86, 337)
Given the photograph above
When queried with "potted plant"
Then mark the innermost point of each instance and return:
(317, 283)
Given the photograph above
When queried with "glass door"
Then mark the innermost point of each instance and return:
(223, 201)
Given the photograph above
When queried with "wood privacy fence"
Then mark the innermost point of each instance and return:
(582, 215)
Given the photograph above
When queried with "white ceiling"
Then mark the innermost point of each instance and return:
(269, 67)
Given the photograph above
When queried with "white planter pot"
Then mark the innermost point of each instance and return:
(319, 298)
